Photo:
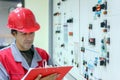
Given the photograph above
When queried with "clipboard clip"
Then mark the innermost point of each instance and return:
(44, 63)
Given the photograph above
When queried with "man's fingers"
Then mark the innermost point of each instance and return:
(54, 76)
(38, 77)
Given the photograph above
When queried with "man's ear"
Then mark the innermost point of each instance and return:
(14, 34)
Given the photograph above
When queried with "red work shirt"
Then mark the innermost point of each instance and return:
(14, 63)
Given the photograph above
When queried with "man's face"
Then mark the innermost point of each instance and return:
(24, 41)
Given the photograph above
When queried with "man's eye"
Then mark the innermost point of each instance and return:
(24, 34)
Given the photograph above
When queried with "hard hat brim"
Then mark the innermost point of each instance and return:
(27, 30)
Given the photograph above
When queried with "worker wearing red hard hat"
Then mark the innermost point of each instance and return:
(23, 20)
(16, 59)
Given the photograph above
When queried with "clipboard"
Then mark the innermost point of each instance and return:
(34, 72)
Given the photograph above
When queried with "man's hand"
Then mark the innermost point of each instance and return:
(38, 77)
(49, 77)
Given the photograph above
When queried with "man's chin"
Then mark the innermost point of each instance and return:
(27, 47)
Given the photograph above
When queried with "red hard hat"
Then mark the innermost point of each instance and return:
(23, 20)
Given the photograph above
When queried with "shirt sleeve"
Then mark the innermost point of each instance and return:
(3, 73)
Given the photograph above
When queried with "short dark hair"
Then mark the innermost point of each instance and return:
(13, 31)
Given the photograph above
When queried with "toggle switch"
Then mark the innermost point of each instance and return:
(108, 27)
(103, 47)
(98, 7)
(108, 55)
(92, 41)
(94, 8)
(91, 74)
(57, 31)
(86, 69)
(104, 5)
(70, 33)
(84, 62)
(108, 40)
(104, 24)
(59, 4)
(82, 39)
(86, 76)
(65, 62)
(63, 0)
(105, 12)
(56, 14)
(104, 30)
(70, 20)
(96, 61)
(82, 49)
(62, 45)
(102, 61)
(102, 41)
(90, 26)
(73, 61)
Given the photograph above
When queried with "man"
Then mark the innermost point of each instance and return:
(16, 59)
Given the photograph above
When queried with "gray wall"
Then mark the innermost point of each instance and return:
(5, 37)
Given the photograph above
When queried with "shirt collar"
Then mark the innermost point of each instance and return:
(19, 58)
